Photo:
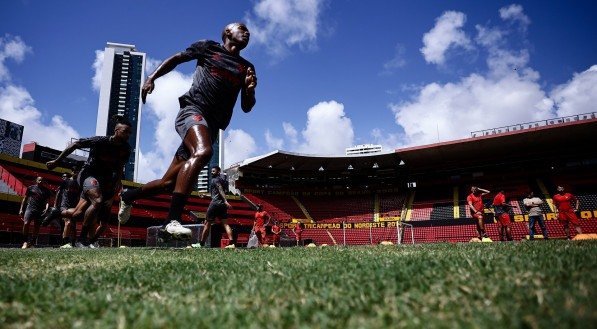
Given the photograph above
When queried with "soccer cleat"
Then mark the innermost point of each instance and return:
(196, 245)
(124, 212)
(81, 245)
(50, 214)
(230, 246)
(25, 245)
(94, 245)
(66, 246)
(177, 231)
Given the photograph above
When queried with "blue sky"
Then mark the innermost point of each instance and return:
(332, 74)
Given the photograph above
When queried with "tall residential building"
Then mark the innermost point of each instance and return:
(217, 159)
(120, 93)
(363, 149)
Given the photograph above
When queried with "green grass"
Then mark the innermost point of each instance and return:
(498, 285)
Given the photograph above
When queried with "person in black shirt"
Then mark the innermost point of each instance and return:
(99, 178)
(218, 207)
(220, 75)
(36, 201)
(67, 197)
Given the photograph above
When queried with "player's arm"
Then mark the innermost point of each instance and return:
(168, 65)
(247, 98)
(577, 203)
(483, 191)
(223, 195)
(66, 152)
(23, 203)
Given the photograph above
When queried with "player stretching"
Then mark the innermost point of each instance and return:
(502, 210)
(99, 178)
(221, 74)
(475, 204)
(565, 212)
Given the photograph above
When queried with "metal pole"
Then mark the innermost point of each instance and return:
(344, 233)
(398, 232)
(370, 235)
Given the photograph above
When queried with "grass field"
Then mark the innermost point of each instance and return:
(497, 285)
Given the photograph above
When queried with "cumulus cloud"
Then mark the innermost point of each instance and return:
(11, 47)
(515, 13)
(290, 132)
(447, 33)
(239, 145)
(328, 131)
(272, 142)
(98, 66)
(279, 25)
(17, 104)
(508, 93)
(577, 96)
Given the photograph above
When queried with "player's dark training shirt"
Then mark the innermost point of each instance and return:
(106, 158)
(219, 77)
(216, 197)
(38, 197)
(69, 192)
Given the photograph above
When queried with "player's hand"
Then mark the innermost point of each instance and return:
(146, 89)
(228, 205)
(251, 80)
(51, 164)
(21, 213)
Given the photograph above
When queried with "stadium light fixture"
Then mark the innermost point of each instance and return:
(321, 168)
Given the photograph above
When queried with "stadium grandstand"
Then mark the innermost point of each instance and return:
(409, 195)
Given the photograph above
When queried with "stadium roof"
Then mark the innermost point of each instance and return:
(566, 139)
(288, 161)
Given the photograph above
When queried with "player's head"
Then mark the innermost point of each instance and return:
(474, 189)
(215, 170)
(236, 33)
(65, 176)
(76, 170)
(560, 189)
(39, 180)
(122, 128)
(530, 194)
(259, 207)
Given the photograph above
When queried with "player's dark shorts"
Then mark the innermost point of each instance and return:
(216, 210)
(189, 116)
(90, 179)
(32, 215)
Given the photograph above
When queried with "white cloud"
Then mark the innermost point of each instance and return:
(515, 13)
(578, 95)
(17, 104)
(11, 48)
(239, 146)
(328, 130)
(396, 62)
(446, 34)
(388, 141)
(509, 93)
(290, 132)
(98, 66)
(273, 143)
(279, 25)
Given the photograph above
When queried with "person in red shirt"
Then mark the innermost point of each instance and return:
(298, 232)
(259, 224)
(565, 212)
(475, 204)
(501, 209)
(276, 230)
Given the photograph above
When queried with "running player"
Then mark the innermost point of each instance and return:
(220, 75)
(99, 178)
(36, 201)
(565, 212)
(218, 208)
